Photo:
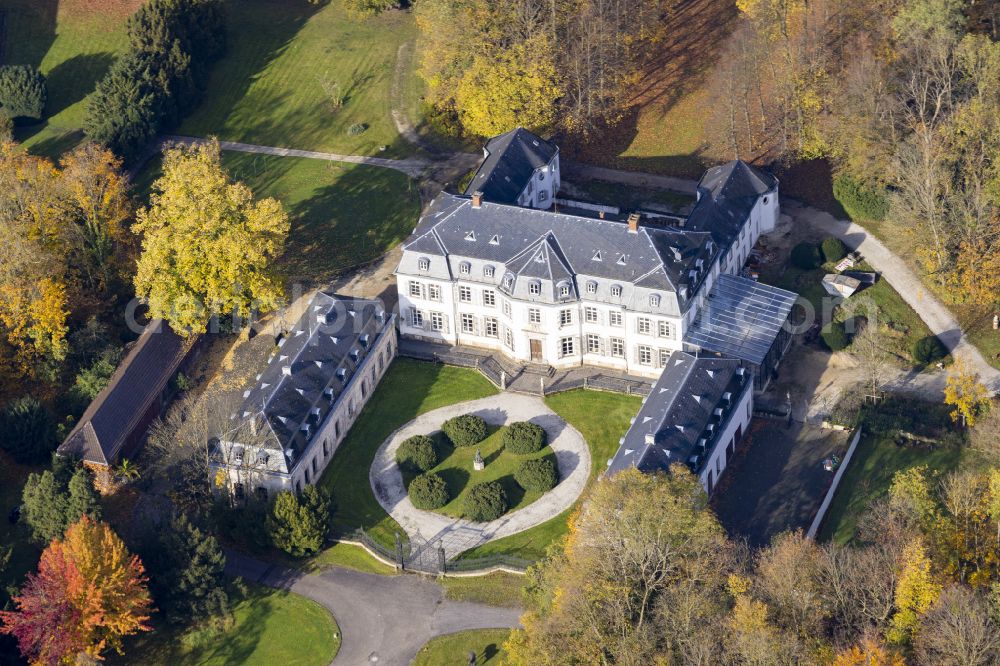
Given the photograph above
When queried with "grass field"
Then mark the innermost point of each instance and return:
(73, 43)
(456, 470)
(341, 215)
(497, 589)
(287, 62)
(454, 649)
(296, 74)
(271, 627)
(408, 389)
(349, 556)
(602, 419)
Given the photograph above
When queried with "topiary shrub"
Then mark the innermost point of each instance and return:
(860, 201)
(428, 491)
(928, 350)
(833, 249)
(835, 337)
(539, 475)
(22, 92)
(465, 430)
(486, 501)
(523, 437)
(806, 256)
(417, 453)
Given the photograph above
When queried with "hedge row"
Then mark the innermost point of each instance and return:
(859, 200)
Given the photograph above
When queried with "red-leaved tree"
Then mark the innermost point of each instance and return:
(88, 593)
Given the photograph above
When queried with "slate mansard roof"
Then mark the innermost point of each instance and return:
(726, 195)
(511, 160)
(528, 244)
(680, 420)
(307, 374)
(117, 412)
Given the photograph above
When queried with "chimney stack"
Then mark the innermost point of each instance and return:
(477, 199)
(633, 223)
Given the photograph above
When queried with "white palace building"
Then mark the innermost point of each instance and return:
(503, 267)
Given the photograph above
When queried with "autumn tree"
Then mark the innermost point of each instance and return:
(868, 653)
(958, 629)
(969, 397)
(637, 538)
(916, 590)
(88, 593)
(208, 247)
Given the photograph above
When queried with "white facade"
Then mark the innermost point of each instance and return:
(725, 446)
(256, 466)
(542, 187)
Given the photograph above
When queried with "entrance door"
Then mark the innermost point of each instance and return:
(536, 350)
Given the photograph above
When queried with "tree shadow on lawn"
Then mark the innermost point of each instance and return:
(72, 80)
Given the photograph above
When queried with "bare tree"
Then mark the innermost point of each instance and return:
(958, 631)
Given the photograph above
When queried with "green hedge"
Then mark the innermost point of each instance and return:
(835, 337)
(418, 453)
(539, 475)
(465, 430)
(486, 501)
(523, 437)
(428, 491)
(833, 249)
(806, 256)
(859, 200)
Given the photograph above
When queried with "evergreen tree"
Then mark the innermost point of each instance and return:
(187, 573)
(124, 110)
(51, 502)
(22, 92)
(27, 431)
(299, 525)
(82, 499)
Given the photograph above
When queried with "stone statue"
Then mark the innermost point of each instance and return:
(478, 463)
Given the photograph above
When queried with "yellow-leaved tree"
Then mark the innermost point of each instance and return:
(208, 247)
(966, 394)
(916, 590)
(517, 87)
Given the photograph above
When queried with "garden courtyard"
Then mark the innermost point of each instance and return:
(449, 525)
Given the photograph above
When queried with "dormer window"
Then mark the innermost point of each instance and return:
(424, 264)
(621, 260)
(654, 300)
(591, 287)
(508, 281)
(534, 287)
(470, 236)
(465, 268)
(616, 290)
(564, 289)
(489, 270)
(495, 240)
(597, 256)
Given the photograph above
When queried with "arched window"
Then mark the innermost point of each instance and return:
(488, 270)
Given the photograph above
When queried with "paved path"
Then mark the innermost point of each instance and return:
(412, 167)
(895, 271)
(456, 535)
(383, 619)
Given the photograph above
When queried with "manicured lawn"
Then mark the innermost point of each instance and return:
(349, 556)
(408, 389)
(74, 44)
(341, 215)
(497, 589)
(456, 470)
(454, 649)
(271, 627)
(602, 418)
(286, 60)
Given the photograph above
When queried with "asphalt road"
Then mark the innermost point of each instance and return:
(383, 619)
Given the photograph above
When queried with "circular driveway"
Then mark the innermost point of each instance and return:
(456, 534)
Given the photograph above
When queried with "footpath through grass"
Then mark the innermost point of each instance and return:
(602, 418)
(408, 389)
(271, 627)
(454, 649)
(299, 75)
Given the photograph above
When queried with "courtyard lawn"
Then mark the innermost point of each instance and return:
(349, 556)
(342, 215)
(408, 389)
(602, 418)
(286, 64)
(456, 470)
(454, 649)
(74, 44)
(271, 627)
